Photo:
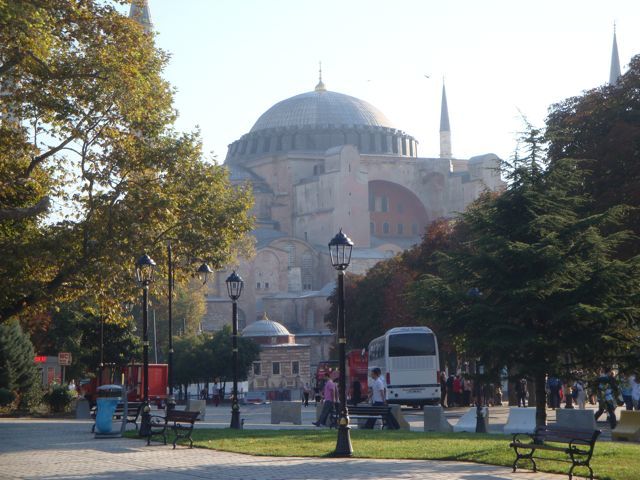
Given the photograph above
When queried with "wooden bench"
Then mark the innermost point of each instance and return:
(370, 412)
(576, 443)
(179, 421)
(134, 410)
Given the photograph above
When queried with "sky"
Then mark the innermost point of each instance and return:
(231, 60)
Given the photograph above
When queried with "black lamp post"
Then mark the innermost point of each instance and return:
(145, 268)
(480, 424)
(234, 289)
(171, 401)
(340, 248)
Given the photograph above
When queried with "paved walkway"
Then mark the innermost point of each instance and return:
(64, 449)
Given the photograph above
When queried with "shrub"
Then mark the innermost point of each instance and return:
(58, 398)
(6, 397)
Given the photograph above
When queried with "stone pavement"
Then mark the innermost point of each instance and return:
(65, 449)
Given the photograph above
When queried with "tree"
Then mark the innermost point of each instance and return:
(377, 301)
(205, 357)
(602, 129)
(535, 285)
(18, 372)
(87, 129)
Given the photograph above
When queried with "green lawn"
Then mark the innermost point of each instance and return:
(614, 461)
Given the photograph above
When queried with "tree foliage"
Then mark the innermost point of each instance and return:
(205, 357)
(377, 301)
(550, 294)
(87, 129)
(601, 128)
(18, 372)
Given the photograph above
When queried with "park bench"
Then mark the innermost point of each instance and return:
(577, 444)
(134, 410)
(367, 412)
(180, 422)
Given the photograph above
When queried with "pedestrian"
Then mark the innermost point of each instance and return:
(330, 394)
(457, 390)
(378, 394)
(443, 389)
(606, 393)
(579, 394)
(626, 390)
(305, 394)
(466, 392)
(635, 390)
(555, 386)
(451, 401)
(521, 392)
(216, 393)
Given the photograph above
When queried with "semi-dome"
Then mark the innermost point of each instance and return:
(321, 108)
(265, 328)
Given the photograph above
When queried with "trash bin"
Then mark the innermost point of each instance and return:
(108, 397)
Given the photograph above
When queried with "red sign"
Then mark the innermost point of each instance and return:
(40, 359)
(64, 358)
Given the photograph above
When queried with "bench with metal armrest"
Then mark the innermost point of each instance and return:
(577, 444)
(180, 422)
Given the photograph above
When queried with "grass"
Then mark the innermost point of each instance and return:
(611, 460)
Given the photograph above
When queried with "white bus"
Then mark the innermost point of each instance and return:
(408, 359)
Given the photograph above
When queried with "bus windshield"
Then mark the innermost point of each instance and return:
(412, 345)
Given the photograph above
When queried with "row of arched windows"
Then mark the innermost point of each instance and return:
(387, 230)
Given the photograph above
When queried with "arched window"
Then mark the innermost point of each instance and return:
(385, 227)
(385, 204)
(372, 228)
(400, 229)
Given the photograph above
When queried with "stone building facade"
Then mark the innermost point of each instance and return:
(284, 366)
(321, 161)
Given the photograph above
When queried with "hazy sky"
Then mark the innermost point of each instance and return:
(233, 59)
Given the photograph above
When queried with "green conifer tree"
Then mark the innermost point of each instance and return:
(18, 372)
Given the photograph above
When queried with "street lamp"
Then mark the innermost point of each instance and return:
(340, 248)
(480, 423)
(203, 272)
(171, 401)
(145, 268)
(234, 289)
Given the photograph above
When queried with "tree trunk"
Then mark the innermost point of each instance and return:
(541, 400)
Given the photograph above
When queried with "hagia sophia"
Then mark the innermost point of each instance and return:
(320, 161)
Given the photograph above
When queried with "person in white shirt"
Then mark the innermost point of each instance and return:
(378, 393)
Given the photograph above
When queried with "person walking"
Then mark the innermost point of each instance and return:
(378, 394)
(579, 394)
(216, 393)
(305, 394)
(606, 393)
(443, 389)
(521, 392)
(330, 394)
(555, 386)
(626, 389)
(635, 390)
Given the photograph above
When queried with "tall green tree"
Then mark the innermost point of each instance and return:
(601, 128)
(92, 173)
(18, 372)
(535, 286)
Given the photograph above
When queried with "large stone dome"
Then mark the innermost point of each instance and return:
(317, 121)
(321, 108)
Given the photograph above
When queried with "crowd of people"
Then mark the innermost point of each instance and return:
(460, 391)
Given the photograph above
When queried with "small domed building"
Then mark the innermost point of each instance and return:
(284, 365)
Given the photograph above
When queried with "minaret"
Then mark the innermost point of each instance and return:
(445, 130)
(139, 11)
(615, 73)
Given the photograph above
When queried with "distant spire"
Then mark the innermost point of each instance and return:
(445, 129)
(139, 12)
(615, 73)
(320, 86)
